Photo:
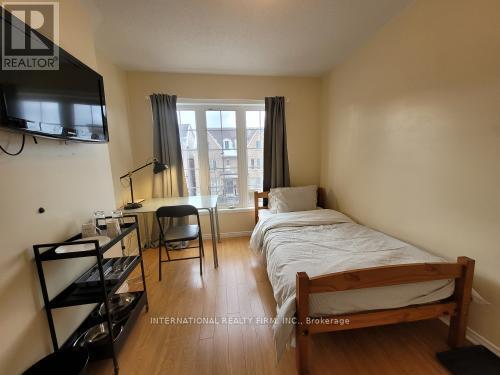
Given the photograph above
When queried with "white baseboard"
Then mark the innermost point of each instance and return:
(476, 338)
(248, 233)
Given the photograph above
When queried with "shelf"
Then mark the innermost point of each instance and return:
(80, 295)
(50, 253)
(94, 318)
(127, 327)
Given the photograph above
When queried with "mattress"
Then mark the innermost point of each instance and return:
(319, 242)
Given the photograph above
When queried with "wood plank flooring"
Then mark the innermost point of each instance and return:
(239, 288)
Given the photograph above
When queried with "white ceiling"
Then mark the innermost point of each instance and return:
(261, 37)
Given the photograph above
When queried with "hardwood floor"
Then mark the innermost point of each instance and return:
(239, 288)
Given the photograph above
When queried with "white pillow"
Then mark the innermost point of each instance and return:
(289, 199)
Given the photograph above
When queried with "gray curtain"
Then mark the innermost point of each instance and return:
(167, 150)
(167, 147)
(276, 172)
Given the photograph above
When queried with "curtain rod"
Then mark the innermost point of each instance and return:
(213, 101)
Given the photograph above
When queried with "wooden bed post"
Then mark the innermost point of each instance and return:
(256, 205)
(256, 196)
(301, 328)
(462, 297)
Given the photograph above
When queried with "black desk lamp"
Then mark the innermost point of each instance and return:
(157, 168)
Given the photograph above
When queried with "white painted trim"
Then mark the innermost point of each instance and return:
(241, 139)
(225, 211)
(247, 233)
(235, 210)
(203, 162)
(476, 338)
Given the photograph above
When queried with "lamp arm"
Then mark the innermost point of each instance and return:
(133, 204)
(128, 174)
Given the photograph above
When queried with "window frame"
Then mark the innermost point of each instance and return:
(240, 107)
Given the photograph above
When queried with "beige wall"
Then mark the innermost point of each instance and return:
(409, 145)
(302, 115)
(411, 137)
(70, 181)
(115, 84)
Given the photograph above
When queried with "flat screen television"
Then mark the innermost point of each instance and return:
(67, 103)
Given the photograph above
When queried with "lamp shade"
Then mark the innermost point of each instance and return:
(159, 167)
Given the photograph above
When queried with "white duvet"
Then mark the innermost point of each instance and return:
(319, 242)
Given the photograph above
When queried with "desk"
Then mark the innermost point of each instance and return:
(201, 202)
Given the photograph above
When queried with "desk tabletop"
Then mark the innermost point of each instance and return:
(199, 201)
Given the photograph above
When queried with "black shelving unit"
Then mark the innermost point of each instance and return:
(78, 294)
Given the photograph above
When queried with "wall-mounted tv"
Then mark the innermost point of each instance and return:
(67, 103)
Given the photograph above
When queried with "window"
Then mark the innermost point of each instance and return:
(254, 126)
(221, 138)
(222, 149)
(189, 147)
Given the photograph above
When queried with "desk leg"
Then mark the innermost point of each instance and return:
(217, 224)
(214, 240)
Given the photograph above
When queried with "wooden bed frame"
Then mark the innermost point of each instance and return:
(456, 307)
(256, 197)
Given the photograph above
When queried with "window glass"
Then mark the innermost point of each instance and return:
(222, 148)
(189, 147)
(255, 153)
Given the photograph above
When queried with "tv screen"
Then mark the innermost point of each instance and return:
(67, 103)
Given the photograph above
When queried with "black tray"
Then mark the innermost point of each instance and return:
(113, 268)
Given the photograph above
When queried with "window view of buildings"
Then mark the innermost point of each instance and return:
(227, 159)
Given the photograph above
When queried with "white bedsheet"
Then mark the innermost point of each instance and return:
(324, 241)
(266, 212)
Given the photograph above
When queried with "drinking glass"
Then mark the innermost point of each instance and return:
(99, 215)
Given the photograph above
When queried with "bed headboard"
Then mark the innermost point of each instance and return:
(257, 196)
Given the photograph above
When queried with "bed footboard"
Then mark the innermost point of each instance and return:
(457, 307)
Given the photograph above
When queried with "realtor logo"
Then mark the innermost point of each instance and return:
(22, 47)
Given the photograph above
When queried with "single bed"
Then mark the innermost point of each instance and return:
(329, 273)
